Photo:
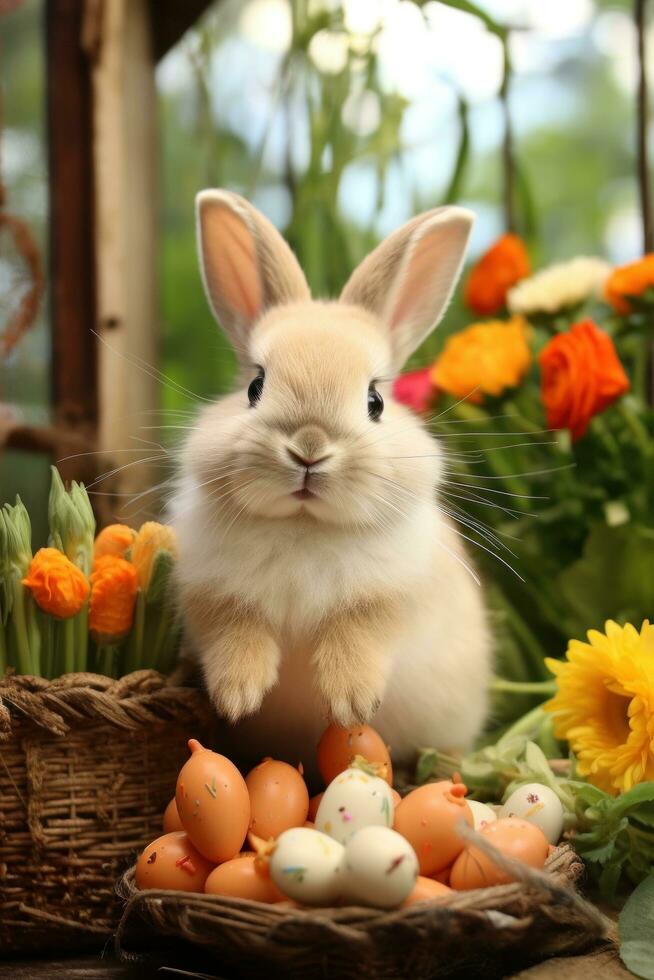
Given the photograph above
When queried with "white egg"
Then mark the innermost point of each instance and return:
(353, 800)
(538, 804)
(481, 813)
(381, 868)
(308, 866)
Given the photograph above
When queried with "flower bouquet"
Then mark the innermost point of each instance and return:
(545, 417)
(81, 603)
(92, 731)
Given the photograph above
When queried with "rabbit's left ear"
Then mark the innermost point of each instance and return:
(408, 280)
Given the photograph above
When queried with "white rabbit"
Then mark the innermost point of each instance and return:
(319, 579)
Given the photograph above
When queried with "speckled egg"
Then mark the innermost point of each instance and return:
(537, 804)
(239, 878)
(279, 798)
(307, 866)
(339, 747)
(380, 868)
(425, 890)
(481, 814)
(172, 862)
(171, 819)
(354, 800)
(213, 804)
(516, 838)
(429, 818)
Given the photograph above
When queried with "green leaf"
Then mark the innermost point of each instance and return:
(612, 580)
(636, 927)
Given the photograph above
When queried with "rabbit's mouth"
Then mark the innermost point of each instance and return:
(304, 494)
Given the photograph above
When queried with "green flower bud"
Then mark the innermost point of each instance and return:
(72, 524)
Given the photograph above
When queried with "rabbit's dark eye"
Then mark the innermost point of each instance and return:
(375, 404)
(255, 389)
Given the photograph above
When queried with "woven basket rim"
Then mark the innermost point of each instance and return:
(55, 706)
(562, 869)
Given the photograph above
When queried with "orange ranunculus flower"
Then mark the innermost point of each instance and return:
(114, 586)
(151, 539)
(114, 539)
(581, 375)
(59, 587)
(483, 359)
(629, 280)
(502, 266)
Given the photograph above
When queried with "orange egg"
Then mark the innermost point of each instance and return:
(314, 803)
(171, 862)
(279, 798)
(397, 799)
(171, 819)
(338, 748)
(425, 889)
(444, 875)
(428, 818)
(213, 803)
(513, 837)
(239, 878)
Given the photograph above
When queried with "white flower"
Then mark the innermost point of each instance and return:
(559, 286)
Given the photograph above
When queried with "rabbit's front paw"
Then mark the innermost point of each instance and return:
(350, 699)
(238, 688)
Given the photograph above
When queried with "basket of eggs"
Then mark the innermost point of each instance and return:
(357, 881)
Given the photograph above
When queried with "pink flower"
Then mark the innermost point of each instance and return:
(415, 389)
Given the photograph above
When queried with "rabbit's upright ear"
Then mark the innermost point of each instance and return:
(247, 267)
(409, 278)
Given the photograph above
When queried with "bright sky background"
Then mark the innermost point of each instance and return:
(426, 62)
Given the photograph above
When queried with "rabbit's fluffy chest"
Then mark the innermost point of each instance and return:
(296, 572)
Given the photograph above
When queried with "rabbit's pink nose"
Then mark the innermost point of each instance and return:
(303, 460)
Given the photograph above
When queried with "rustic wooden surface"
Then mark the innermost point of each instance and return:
(604, 964)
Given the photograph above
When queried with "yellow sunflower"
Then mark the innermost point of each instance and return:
(604, 705)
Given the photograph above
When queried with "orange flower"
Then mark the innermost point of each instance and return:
(485, 358)
(151, 539)
(58, 586)
(113, 540)
(501, 267)
(628, 281)
(581, 375)
(113, 594)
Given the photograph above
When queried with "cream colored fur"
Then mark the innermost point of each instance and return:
(357, 604)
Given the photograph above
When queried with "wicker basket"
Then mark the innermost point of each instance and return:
(465, 934)
(87, 765)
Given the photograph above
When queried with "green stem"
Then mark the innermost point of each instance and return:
(47, 649)
(82, 638)
(638, 430)
(107, 658)
(20, 633)
(546, 688)
(525, 637)
(134, 656)
(3, 651)
(529, 724)
(68, 634)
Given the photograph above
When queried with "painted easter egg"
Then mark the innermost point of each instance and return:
(481, 814)
(516, 838)
(537, 804)
(239, 878)
(307, 866)
(279, 798)
(426, 889)
(429, 818)
(172, 862)
(213, 803)
(380, 868)
(339, 747)
(353, 800)
(171, 819)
